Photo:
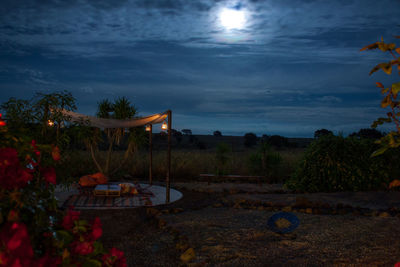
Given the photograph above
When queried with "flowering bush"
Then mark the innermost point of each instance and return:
(32, 231)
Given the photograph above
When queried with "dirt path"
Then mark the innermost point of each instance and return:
(223, 233)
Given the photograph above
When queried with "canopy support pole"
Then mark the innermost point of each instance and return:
(169, 113)
(151, 154)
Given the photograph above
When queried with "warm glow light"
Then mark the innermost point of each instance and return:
(148, 128)
(164, 126)
(2, 123)
(50, 123)
(232, 19)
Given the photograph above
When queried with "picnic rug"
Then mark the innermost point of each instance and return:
(148, 196)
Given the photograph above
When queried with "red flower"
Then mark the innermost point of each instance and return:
(114, 258)
(82, 248)
(96, 229)
(15, 240)
(70, 218)
(48, 261)
(2, 123)
(12, 175)
(49, 175)
(55, 153)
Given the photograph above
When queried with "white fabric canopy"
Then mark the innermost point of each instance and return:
(114, 123)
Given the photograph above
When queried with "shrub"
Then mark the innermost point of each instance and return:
(278, 141)
(265, 162)
(334, 163)
(222, 158)
(217, 134)
(322, 132)
(368, 133)
(250, 139)
(32, 230)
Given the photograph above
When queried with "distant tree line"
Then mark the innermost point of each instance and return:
(369, 133)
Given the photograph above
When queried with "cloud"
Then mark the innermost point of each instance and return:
(295, 67)
(329, 99)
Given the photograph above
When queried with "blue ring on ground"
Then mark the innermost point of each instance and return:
(294, 222)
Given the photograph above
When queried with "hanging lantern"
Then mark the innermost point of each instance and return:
(50, 123)
(164, 126)
(148, 128)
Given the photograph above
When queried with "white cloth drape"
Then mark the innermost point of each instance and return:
(114, 123)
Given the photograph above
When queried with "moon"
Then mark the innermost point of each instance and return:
(232, 19)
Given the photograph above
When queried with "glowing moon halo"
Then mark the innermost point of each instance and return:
(232, 19)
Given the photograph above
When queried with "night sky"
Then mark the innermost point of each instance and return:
(286, 67)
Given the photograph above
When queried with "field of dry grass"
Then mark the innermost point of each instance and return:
(186, 165)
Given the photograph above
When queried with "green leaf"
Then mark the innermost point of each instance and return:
(391, 46)
(378, 152)
(385, 47)
(64, 236)
(369, 47)
(91, 263)
(386, 67)
(376, 68)
(98, 248)
(386, 102)
(395, 88)
(380, 121)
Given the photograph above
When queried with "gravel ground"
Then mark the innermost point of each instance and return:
(221, 235)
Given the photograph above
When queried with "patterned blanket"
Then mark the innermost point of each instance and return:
(92, 201)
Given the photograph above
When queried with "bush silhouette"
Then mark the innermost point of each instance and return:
(250, 139)
(334, 163)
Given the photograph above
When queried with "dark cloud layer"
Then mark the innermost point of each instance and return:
(293, 68)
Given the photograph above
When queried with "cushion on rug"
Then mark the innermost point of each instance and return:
(93, 179)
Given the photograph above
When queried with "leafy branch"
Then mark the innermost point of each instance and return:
(392, 139)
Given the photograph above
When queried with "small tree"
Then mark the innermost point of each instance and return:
(35, 115)
(265, 161)
(18, 114)
(222, 157)
(250, 139)
(186, 131)
(322, 132)
(278, 141)
(368, 133)
(120, 109)
(217, 134)
(177, 135)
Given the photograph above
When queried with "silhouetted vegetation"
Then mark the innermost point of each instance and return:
(265, 162)
(334, 163)
(217, 134)
(368, 133)
(250, 139)
(187, 131)
(322, 132)
(222, 157)
(278, 141)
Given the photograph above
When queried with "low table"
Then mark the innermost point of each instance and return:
(110, 190)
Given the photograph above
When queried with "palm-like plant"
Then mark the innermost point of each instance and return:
(120, 109)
